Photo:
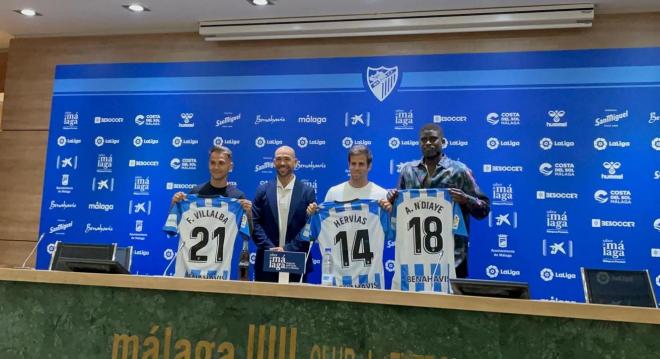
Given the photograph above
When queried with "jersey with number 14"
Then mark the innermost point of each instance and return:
(425, 221)
(355, 231)
(210, 231)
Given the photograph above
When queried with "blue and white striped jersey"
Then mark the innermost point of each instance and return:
(210, 231)
(356, 233)
(425, 221)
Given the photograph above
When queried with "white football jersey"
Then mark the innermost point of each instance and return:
(424, 221)
(210, 230)
(355, 232)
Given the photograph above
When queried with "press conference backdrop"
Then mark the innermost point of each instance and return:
(566, 144)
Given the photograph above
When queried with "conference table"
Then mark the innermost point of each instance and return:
(49, 314)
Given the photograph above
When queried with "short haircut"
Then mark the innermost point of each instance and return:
(357, 150)
(433, 127)
(221, 150)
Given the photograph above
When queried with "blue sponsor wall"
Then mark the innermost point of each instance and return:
(565, 143)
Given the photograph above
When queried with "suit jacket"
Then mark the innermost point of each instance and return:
(265, 217)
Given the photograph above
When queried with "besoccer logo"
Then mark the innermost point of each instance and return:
(260, 142)
(61, 141)
(177, 141)
(493, 118)
(656, 143)
(302, 142)
(168, 254)
(394, 143)
(138, 141)
(545, 143)
(493, 143)
(347, 142)
(389, 265)
(492, 271)
(600, 143)
(547, 274)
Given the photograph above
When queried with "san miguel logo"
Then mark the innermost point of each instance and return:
(382, 80)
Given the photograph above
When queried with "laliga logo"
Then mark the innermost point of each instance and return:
(302, 142)
(138, 141)
(657, 280)
(556, 115)
(602, 278)
(600, 143)
(545, 143)
(656, 143)
(389, 265)
(493, 143)
(600, 196)
(99, 141)
(177, 141)
(547, 274)
(260, 142)
(253, 258)
(51, 249)
(493, 118)
(382, 80)
(168, 254)
(218, 141)
(61, 141)
(492, 271)
(347, 142)
(394, 143)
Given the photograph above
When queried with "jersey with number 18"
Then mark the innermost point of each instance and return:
(425, 221)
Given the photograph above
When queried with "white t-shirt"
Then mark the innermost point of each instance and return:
(345, 192)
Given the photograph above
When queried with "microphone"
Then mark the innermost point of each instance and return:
(24, 265)
(173, 259)
(309, 250)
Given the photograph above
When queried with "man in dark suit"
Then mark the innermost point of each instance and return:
(279, 213)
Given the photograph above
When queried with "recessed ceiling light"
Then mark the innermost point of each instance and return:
(28, 12)
(261, 2)
(135, 8)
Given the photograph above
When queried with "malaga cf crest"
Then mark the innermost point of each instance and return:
(382, 80)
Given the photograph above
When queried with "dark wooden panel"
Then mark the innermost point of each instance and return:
(3, 70)
(22, 156)
(13, 253)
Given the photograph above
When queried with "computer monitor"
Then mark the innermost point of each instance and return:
(618, 287)
(490, 288)
(95, 258)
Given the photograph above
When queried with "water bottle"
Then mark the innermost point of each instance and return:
(244, 262)
(326, 276)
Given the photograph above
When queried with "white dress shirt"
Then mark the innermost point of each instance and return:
(283, 206)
